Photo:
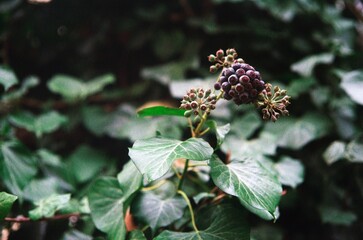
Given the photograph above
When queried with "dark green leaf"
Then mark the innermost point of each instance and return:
(354, 151)
(161, 111)
(246, 125)
(225, 222)
(136, 235)
(86, 162)
(159, 210)
(74, 234)
(45, 123)
(335, 216)
(179, 88)
(48, 206)
(106, 202)
(96, 119)
(6, 202)
(290, 171)
(221, 131)
(154, 156)
(299, 86)
(49, 158)
(352, 83)
(258, 190)
(25, 86)
(7, 77)
(39, 189)
(18, 166)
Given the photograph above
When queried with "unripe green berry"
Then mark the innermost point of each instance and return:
(211, 58)
(212, 69)
(188, 113)
(220, 53)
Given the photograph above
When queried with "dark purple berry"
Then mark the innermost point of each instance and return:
(239, 88)
(236, 66)
(240, 72)
(251, 74)
(233, 80)
(227, 96)
(226, 86)
(253, 93)
(228, 72)
(217, 86)
(257, 73)
(248, 86)
(243, 97)
(232, 93)
(223, 79)
(244, 79)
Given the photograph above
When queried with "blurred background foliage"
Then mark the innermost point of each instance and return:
(74, 72)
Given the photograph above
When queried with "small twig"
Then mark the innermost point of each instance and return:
(153, 187)
(55, 217)
(183, 174)
(191, 210)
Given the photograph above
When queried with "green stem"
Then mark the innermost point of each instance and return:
(183, 174)
(191, 211)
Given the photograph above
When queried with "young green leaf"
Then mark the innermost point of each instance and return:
(257, 189)
(221, 222)
(290, 171)
(160, 111)
(106, 201)
(18, 166)
(6, 202)
(7, 77)
(154, 156)
(45, 123)
(48, 206)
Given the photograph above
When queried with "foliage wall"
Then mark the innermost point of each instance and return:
(74, 73)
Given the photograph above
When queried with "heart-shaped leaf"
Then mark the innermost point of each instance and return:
(224, 222)
(130, 179)
(352, 83)
(257, 189)
(154, 156)
(106, 201)
(48, 206)
(290, 171)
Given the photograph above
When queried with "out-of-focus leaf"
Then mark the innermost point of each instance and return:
(74, 234)
(266, 232)
(256, 188)
(130, 179)
(179, 88)
(352, 83)
(306, 66)
(220, 222)
(160, 111)
(47, 207)
(6, 202)
(354, 151)
(49, 158)
(7, 77)
(45, 123)
(203, 195)
(18, 166)
(221, 131)
(26, 85)
(75, 89)
(246, 125)
(86, 162)
(335, 216)
(290, 171)
(299, 86)
(96, 119)
(168, 43)
(39, 189)
(334, 152)
(136, 235)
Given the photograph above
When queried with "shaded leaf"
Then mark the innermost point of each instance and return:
(290, 171)
(306, 66)
(25, 86)
(335, 216)
(256, 188)
(47, 207)
(18, 166)
(130, 179)
(224, 222)
(39, 189)
(221, 131)
(352, 83)
(354, 151)
(106, 202)
(179, 88)
(136, 235)
(158, 210)
(74, 234)
(6, 202)
(7, 77)
(160, 111)
(246, 125)
(154, 156)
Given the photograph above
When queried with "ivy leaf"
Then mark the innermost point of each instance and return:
(18, 166)
(161, 111)
(257, 189)
(290, 171)
(45, 123)
(334, 152)
(154, 156)
(106, 201)
(6, 202)
(306, 66)
(159, 210)
(336, 216)
(48, 206)
(246, 125)
(86, 162)
(130, 179)
(39, 189)
(7, 77)
(75, 89)
(25, 86)
(225, 222)
(354, 151)
(352, 83)
(136, 235)
(74, 234)
(221, 131)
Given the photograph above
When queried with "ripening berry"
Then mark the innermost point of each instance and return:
(220, 53)
(217, 86)
(233, 80)
(194, 104)
(226, 86)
